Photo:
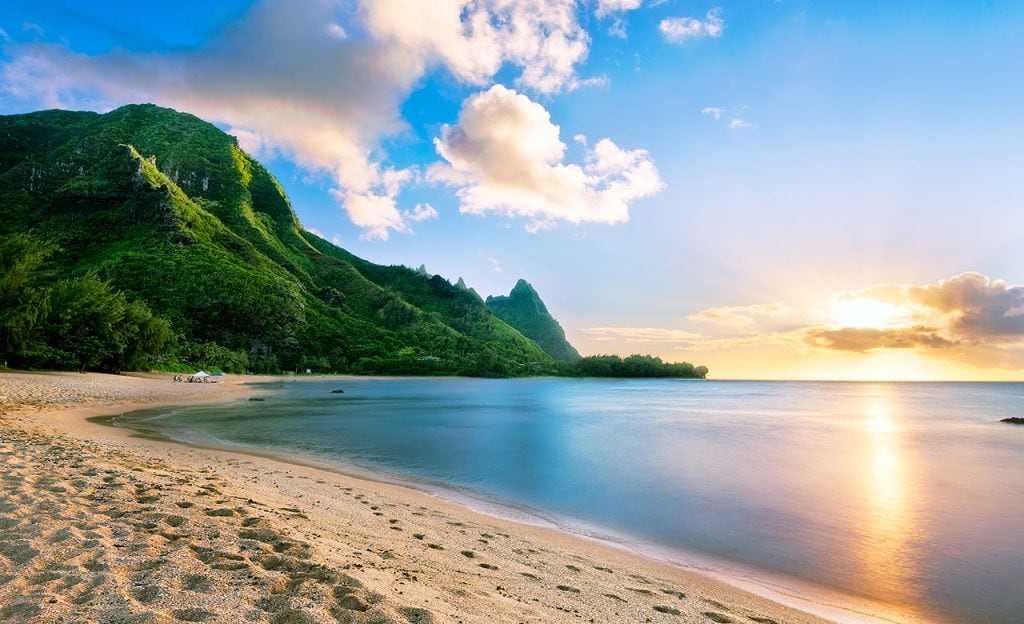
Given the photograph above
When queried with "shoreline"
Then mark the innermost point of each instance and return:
(332, 526)
(818, 600)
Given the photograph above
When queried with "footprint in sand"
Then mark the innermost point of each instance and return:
(717, 617)
(197, 582)
(192, 614)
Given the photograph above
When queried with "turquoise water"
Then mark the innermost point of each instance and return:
(907, 494)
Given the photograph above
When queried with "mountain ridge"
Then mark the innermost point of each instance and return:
(169, 209)
(524, 309)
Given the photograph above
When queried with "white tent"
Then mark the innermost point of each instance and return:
(201, 374)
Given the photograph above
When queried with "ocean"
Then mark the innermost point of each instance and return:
(896, 501)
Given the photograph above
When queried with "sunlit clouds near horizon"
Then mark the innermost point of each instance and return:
(968, 319)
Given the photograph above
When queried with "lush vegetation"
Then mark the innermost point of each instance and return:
(78, 323)
(524, 310)
(637, 366)
(155, 241)
(164, 210)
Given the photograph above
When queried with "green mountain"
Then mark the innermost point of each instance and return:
(524, 310)
(169, 211)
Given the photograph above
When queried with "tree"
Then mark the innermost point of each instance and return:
(23, 301)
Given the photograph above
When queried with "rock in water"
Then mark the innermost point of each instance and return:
(1013, 420)
(339, 391)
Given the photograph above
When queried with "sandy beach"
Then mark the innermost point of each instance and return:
(98, 525)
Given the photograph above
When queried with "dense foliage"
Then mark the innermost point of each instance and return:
(637, 366)
(77, 323)
(524, 310)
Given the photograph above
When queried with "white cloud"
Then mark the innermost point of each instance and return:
(251, 142)
(474, 38)
(736, 123)
(683, 29)
(421, 212)
(506, 157)
(581, 139)
(4, 36)
(712, 111)
(337, 30)
(376, 214)
(316, 232)
(293, 82)
(618, 29)
(608, 7)
(495, 264)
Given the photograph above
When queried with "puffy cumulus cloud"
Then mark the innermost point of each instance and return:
(505, 156)
(739, 316)
(474, 38)
(683, 29)
(320, 85)
(982, 309)
(864, 339)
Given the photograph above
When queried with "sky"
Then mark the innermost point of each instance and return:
(797, 189)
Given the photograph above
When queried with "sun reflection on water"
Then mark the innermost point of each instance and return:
(887, 521)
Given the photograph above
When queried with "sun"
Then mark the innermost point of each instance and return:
(867, 313)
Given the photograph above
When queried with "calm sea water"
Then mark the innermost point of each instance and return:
(910, 495)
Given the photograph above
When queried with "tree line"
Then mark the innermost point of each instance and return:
(637, 366)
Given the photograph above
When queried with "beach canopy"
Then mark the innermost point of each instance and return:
(202, 374)
(217, 375)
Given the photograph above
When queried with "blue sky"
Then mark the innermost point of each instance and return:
(806, 153)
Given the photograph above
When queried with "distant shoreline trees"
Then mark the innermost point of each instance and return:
(645, 366)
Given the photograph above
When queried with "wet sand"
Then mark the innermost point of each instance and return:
(97, 525)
